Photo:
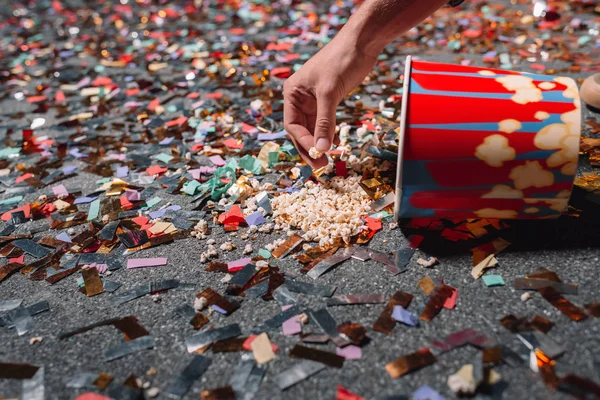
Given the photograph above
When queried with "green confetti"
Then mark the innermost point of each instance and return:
(273, 158)
(191, 187)
(583, 40)
(251, 164)
(215, 185)
(266, 254)
(12, 200)
(381, 215)
(152, 202)
(9, 151)
(163, 157)
(103, 181)
(493, 280)
(94, 210)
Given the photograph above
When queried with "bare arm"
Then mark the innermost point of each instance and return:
(379, 22)
(313, 93)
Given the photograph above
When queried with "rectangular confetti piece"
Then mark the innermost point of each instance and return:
(127, 348)
(536, 284)
(323, 319)
(330, 262)
(563, 305)
(184, 381)
(146, 262)
(297, 373)
(288, 246)
(385, 323)
(410, 362)
(278, 320)
(309, 288)
(324, 357)
(205, 338)
(32, 248)
(93, 283)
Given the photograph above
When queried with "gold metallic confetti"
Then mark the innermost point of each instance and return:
(562, 304)
(92, 281)
(411, 362)
(385, 323)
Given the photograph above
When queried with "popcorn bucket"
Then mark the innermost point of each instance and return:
(485, 143)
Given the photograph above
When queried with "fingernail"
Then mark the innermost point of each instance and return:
(323, 145)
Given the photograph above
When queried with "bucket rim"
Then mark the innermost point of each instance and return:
(402, 135)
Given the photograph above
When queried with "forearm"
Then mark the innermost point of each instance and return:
(379, 22)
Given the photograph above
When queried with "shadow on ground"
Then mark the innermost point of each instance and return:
(580, 229)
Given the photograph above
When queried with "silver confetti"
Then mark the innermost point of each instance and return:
(331, 262)
(21, 319)
(277, 320)
(133, 346)
(82, 380)
(325, 321)
(131, 294)
(309, 288)
(7, 305)
(184, 381)
(205, 338)
(284, 296)
(33, 389)
(297, 373)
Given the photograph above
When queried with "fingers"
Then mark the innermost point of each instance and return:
(325, 123)
(321, 162)
(294, 122)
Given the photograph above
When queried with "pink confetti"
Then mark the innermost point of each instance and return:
(60, 190)
(217, 160)
(132, 195)
(292, 326)
(350, 352)
(195, 173)
(236, 265)
(100, 267)
(146, 262)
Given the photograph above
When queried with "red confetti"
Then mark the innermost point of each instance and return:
(345, 394)
(24, 177)
(340, 169)
(450, 302)
(373, 224)
(60, 96)
(17, 260)
(8, 215)
(233, 144)
(281, 72)
(177, 121)
(156, 170)
(233, 216)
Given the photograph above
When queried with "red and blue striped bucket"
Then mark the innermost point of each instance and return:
(485, 143)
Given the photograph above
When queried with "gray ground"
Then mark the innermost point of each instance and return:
(566, 247)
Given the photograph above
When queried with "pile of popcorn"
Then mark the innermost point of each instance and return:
(324, 211)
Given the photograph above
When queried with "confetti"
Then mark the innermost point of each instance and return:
(184, 381)
(410, 362)
(297, 373)
(385, 323)
(562, 304)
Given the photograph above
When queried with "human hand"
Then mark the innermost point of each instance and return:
(312, 94)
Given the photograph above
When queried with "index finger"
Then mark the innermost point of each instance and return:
(293, 119)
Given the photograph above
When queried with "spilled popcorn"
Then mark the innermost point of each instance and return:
(324, 211)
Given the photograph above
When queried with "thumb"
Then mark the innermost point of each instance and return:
(325, 123)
